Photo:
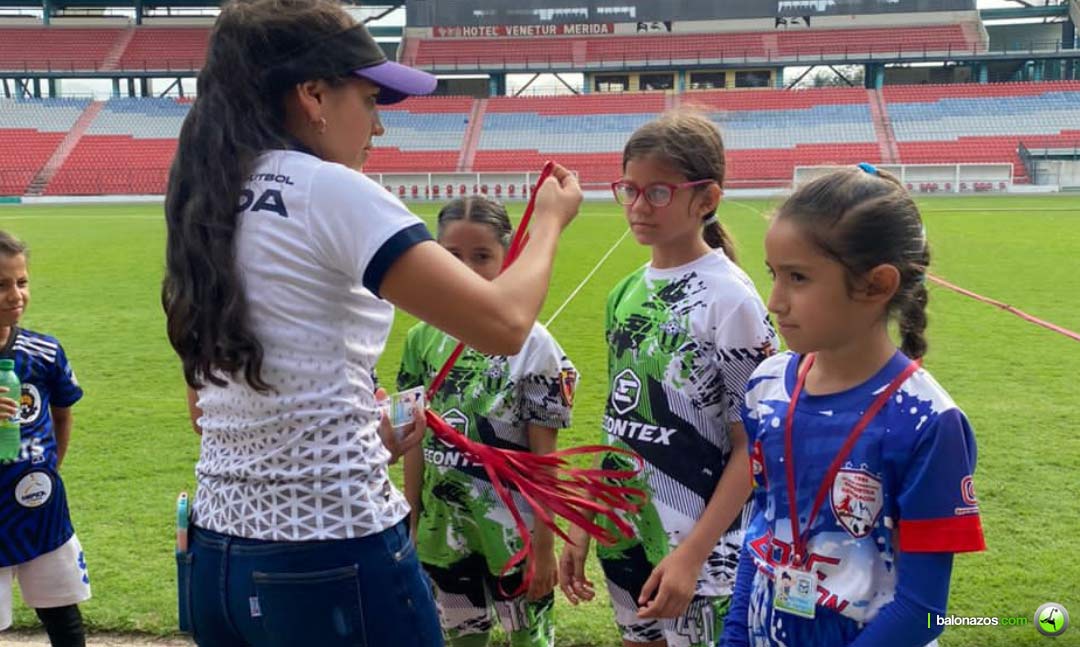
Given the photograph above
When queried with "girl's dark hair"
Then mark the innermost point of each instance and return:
(690, 143)
(863, 220)
(239, 112)
(11, 246)
(480, 210)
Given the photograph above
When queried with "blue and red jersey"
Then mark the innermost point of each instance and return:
(905, 487)
(34, 517)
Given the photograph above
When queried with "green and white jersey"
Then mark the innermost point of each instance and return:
(491, 399)
(682, 344)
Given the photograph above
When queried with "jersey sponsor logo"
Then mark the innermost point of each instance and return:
(29, 404)
(638, 431)
(458, 420)
(857, 501)
(34, 490)
(445, 457)
(967, 493)
(269, 200)
(567, 384)
(757, 462)
(625, 391)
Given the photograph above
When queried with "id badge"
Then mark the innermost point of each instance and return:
(401, 407)
(795, 592)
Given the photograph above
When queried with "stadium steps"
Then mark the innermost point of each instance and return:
(408, 51)
(112, 59)
(63, 151)
(580, 51)
(472, 136)
(890, 153)
(976, 35)
(772, 44)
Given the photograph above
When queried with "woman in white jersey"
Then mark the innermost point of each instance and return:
(282, 264)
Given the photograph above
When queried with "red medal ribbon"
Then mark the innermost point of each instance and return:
(800, 541)
(546, 482)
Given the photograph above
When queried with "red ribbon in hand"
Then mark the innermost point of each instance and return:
(547, 482)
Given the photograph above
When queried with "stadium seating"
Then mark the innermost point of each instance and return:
(575, 52)
(56, 48)
(766, 132)
(973, 123)
(422, 133)
(931, 38)
(30, 132)
(163, 48)
(128, 146)
(127, 149)
(103, 48)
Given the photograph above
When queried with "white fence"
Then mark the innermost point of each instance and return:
(444, 186)
(932, 178)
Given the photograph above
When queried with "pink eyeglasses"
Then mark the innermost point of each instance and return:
(658, 194)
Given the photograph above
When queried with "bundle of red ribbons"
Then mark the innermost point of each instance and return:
(547, 482)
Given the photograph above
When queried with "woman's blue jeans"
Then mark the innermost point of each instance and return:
(366, 592)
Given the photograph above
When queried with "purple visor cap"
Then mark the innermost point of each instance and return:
(397, 81)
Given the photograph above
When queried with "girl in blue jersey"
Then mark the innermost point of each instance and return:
(38, 546)
(862, 463)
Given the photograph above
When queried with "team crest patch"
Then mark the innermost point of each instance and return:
(856, 501)
(29, 404)
(34, 490)
(567, 384)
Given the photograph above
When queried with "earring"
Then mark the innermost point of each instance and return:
(320, 125)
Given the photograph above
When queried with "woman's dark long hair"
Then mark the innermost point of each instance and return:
(238, 113)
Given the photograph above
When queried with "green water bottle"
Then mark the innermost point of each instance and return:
(10, 432)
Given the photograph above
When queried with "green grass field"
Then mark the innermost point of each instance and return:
(95, 275)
